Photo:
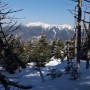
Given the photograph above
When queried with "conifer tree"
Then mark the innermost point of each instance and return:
(53, 46)
(40, 51)
(57, 47)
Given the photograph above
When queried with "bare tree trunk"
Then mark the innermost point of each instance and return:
(68, 54)
(87, 64)
(79, 32)
(88, 47)
(42, 77)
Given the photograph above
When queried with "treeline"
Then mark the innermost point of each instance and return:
(15, 54)
(41, 50)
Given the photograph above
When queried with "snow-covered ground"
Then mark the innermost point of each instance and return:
(29, 76)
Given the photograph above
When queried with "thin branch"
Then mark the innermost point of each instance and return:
(3, 6)
(82, 20)
(12, 26)
(87, 12)
(16, 28)
(72, 13)
(87, 1)
(75, 0)
(77, 11)
(19, 86)
(10, 11)
(75, 16)
(14, 18)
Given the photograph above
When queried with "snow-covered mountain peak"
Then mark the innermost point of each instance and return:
(66, 26)
(45, 25)
(34, 29)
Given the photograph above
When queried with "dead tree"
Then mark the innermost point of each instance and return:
(9, 58)
(79, 32)
(88, 47)
(81, 50)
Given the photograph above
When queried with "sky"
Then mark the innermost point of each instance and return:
(47, 11)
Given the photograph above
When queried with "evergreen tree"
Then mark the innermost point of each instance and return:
(53, 46)
(57, 46)
(60, 44)
(41, 52)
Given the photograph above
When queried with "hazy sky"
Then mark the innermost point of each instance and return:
(48, 11)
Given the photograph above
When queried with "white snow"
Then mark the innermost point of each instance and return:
(67, 32)
(53, 62)
(54, 32)
(45, 25)
(38, 24)
(29, 76)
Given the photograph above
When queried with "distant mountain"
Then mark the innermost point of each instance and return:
(34, 30)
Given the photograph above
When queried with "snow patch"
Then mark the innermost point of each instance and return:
(53, 62)
(54, 32)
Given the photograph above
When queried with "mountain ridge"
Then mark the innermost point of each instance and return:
(34, 30)
(45, 25)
